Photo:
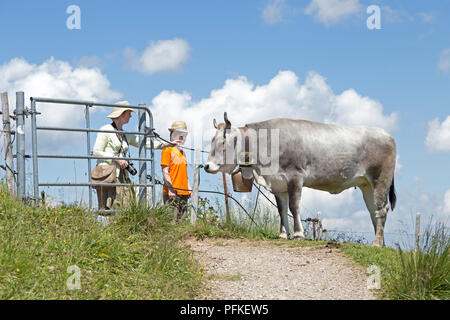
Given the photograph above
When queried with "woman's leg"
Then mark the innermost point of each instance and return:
(101, 198)
(105, 198)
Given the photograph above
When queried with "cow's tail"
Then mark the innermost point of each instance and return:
(392, 196)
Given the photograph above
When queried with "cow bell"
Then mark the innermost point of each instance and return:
(243, 180)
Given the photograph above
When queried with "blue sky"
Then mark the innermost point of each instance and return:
(404, 67)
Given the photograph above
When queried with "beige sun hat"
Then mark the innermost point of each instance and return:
(117, 111)
(178, 126)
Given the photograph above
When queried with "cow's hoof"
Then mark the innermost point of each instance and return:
(283, 236)
(378, 244)
(299, 236)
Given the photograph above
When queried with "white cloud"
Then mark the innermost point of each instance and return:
(391, 15)
(353, 109)
(355, 224)
(438, 137)
(273, 12)
(435, 206)
(360, 214)
(332, 11)
(446, 208)
(444, 61)
(88, 62)
(329, 204)
(282, 96)
(398, 165)
(55, 79)
(426, 17)
(160, 56)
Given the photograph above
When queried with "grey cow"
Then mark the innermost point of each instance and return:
(320, 156)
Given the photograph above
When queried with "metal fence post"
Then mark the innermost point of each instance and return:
(34, 147)
(417, 237)
(225, 191)
(319, 222)
(197, 161)
(152, 157)
(88, 142)
(8, 145)
(142, 154)
(20, 131)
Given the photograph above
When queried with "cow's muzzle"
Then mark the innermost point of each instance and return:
(211, 168)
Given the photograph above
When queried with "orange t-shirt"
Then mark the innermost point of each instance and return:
(175, 159)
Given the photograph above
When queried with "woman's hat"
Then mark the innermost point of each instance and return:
(178, 126)
(117, 111)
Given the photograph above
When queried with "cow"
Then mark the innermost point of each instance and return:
(320, 156)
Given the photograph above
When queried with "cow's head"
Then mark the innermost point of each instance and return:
(222, 156)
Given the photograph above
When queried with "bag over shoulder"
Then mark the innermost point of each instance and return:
(104, 174)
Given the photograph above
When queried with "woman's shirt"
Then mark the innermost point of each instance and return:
(108, 144)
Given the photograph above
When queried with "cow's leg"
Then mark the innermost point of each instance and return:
(376, 199)
(295, 193)
(368, 195)
(381, 192)
(383, 179)
(282, 203)
(378, 210)
(382, 208)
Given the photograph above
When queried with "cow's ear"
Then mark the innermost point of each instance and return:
(227, 122)
(215, 124)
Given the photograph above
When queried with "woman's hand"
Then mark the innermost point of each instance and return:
(122, 163)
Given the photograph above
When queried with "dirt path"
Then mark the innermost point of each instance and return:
(247, 269)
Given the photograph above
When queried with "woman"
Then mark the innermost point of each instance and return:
(116, 145)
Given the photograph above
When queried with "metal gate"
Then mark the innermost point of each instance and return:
(145, 181)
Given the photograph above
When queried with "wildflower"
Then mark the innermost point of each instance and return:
(102, 254)
(64, 240)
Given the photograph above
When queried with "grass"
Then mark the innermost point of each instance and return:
(212, 223)
(137, 256)
(409, 275)
(424, 274)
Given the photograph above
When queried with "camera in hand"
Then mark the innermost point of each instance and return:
(130, 168)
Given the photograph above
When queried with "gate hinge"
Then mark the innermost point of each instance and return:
(26, 112)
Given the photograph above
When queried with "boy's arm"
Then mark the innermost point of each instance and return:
(168, 181)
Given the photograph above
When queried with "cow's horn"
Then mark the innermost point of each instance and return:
(215, 124)
(227, 122)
